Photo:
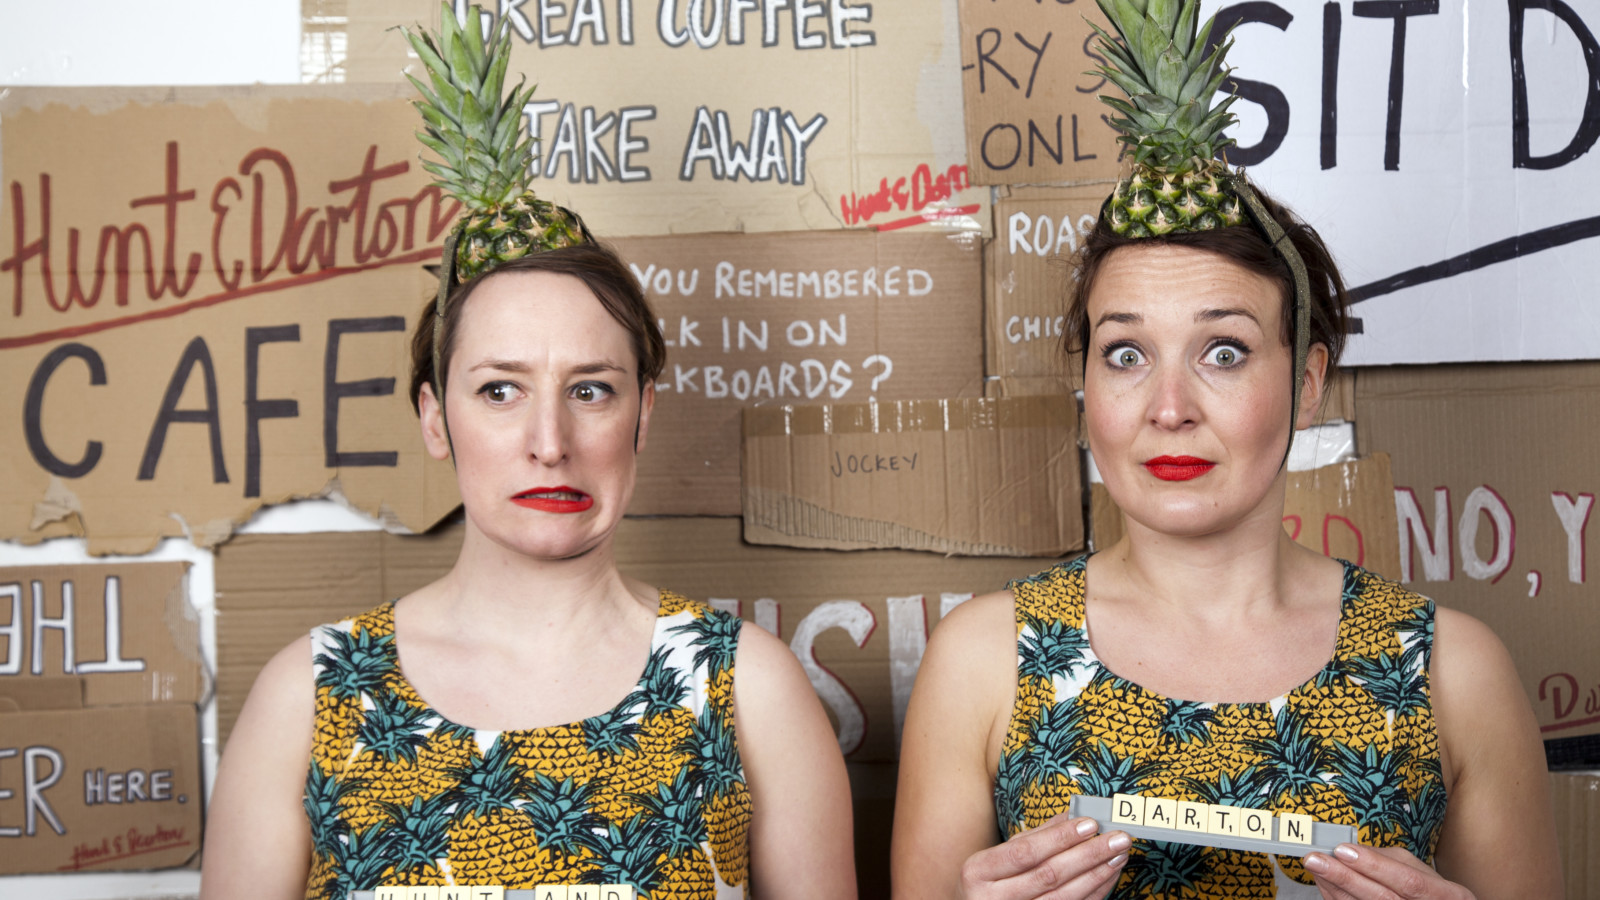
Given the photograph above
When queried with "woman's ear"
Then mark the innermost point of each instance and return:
(435, 434)
(647, 403)
(1312, 388)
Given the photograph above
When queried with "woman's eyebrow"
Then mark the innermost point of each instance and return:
(1213, 315)
(1121, 318)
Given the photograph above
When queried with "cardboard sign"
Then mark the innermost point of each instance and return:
(971, 476)
(94, 790)
(1494, 480)
(858, 622)
(793, 318)
(1341, 510)
(1032, 112)
(1038, 231)
(207, 297)
(1576, 798)
(126, 630)
(681, 117)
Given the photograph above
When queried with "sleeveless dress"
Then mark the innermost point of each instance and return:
(651, 793)
(1355, 745)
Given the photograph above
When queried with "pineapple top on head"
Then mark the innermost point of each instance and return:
(483, 152)
(1159, 60)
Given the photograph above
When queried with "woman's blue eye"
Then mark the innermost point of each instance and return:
(1225, 356)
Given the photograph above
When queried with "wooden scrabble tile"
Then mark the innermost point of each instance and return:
(1222, 819)
(389, 892)
(474, 892)
(1127, 809)
(1256, 823)
(583, 892)
(1160, 812)
(550, 892)
(616, 892)
(1294, 828)
(1192, 816)
(421, 892)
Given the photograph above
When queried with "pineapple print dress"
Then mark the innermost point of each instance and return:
(1355, 745)
(651, 793)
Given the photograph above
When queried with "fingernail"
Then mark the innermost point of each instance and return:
(1318, 863)
(1117, 861)
(1346, 852)
(1120, 841)
(1087, 827)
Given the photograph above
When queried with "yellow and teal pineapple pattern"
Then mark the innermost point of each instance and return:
(1356, 745)
(650, 793)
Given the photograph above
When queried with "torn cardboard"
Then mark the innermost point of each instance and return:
(1032, 110)
(970, 476)
(1038, 233)
(209, 295)
(126, 629)
(858, 622)
(757, 319)
(1495, 482)
(1343, 510)
(99, 790)
(1576, 799)
(99, 737)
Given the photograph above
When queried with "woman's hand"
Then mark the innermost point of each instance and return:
(1379, 873)
(1060, 860)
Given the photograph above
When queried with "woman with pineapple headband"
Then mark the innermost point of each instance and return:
(1226, 664)
(534, 717)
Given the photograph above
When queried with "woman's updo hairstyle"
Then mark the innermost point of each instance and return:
(1240, 244)
(600, 269)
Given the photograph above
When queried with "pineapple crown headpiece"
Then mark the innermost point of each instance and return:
(1174, 134)
(484, 157)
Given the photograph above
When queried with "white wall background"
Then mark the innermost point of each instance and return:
(128, 42)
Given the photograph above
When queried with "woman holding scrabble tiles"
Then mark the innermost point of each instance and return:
(535, 718)
(1213, 680)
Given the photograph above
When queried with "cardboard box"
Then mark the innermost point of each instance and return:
(1037, 235)
(1032, 114)
(968, 476)
(1576, 799)
(769, 319)
(209, 295)
(858, 622)
(1495, 480)
(99, 737)
(1342, 510)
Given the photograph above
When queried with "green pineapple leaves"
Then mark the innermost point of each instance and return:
(1158, 59)
(467, 122)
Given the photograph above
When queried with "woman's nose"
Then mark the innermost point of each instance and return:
(549, 431)
(1172, 399)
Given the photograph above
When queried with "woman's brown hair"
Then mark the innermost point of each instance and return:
(1240, 244)
(597, 266)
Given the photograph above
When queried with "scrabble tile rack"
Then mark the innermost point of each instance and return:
(1324, 835)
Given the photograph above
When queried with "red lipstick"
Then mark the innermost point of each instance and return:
(1178, 468)
(560, 499)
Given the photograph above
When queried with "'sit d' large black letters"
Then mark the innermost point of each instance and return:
(334, 390)
(1266, 96)
(1399, 11)
(256, 409)
(196, 354)
(1588, 126)
(33, 410)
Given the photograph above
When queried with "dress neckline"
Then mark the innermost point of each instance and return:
(1328, 668)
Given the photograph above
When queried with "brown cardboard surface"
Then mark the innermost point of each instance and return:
(1032, 114)
(972, 476)
(114, 788)
(1495, 477)
(1576, 799)
(679, 117)
(1342, 510)
(209, 291)
(124, 630)
(857, 621)
(754, 319)
(1037, 232)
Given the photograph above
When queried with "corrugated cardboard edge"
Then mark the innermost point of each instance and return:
(1576, 799)
(774, 517)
